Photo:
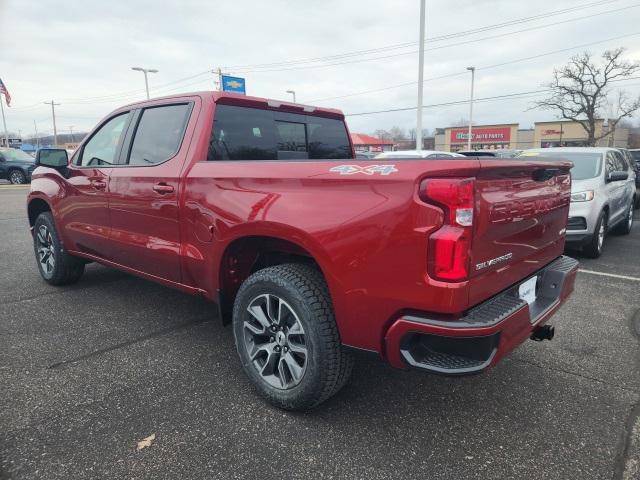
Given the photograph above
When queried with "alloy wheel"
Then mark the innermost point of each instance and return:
(16, 177)
(274, 340)
(601, 232)
(46, 250)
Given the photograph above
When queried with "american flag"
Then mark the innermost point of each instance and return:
(7, 97)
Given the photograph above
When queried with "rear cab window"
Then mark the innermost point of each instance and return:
(159, 134)
(245, 133)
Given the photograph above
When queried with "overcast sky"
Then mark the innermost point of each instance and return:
(80, 54)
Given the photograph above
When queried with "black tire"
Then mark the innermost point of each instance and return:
(301, 292)
(594, 248)
(17, 177)
(56, 266)
(624, 227)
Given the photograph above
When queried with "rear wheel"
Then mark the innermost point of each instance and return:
(287, 338)
(55, 265)
(594, 248)
(17, 177)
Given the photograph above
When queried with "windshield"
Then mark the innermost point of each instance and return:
(16, 155)
(636, 155)
(585, 164)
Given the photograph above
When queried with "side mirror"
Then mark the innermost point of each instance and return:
(617, 176)
(52, 157)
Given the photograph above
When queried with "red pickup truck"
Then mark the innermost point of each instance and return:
(259, 205)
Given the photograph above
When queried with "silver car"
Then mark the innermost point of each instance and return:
(602, 194)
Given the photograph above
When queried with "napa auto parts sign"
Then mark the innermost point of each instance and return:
(482, 135)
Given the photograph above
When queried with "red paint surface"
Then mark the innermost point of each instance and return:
(369, 234)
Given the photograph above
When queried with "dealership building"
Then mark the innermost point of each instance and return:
(543, 135)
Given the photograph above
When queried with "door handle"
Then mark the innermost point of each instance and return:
(99, 184)
(163, 188)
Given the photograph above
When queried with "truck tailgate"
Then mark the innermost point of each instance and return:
(521, 210)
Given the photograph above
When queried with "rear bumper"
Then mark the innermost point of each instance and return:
(488, 332)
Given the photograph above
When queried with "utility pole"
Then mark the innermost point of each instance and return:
(473, 75)
(4, 122)
(71, 132)
(53, 114)
(35, 126)
(420, 78)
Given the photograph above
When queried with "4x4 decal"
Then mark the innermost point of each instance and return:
(368, 170)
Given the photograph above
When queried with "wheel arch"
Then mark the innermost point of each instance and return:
(35, 207)
(247, 254)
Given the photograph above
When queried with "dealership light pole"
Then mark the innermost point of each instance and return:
(473, 75)
(420, 78)
(145, 71)
(292, 92)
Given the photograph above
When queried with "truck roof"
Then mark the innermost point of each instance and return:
(228, 98)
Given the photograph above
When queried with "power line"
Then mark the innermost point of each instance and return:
(509, 96)
(496, 65)
(466, 42)
(429, 39)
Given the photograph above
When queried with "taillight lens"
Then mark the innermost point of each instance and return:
(449, 246)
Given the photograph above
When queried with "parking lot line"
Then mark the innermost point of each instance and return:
(612, 275)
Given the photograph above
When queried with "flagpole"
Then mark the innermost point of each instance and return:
(4, 122)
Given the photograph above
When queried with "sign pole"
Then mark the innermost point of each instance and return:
(219, 79)
(4, 122)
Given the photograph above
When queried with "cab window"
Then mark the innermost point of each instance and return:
(102, 148)
(159, 134)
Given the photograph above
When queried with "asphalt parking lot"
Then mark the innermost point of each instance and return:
(88, 371)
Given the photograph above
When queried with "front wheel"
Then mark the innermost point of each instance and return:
(287, 338)
(594, 248)
(625, 225)
(56, 266)
(17, 177)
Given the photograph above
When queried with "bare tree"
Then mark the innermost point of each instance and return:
(397, 133)
(382, 134)
(579, 91)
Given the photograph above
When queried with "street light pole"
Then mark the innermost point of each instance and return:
(473, 75)
(4, 122)
(420, 78)
(53, 114)
(292, 92)
(145, 71)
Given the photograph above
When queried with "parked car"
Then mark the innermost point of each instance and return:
(16, 165)
(365, 155)
(261, 207)
(603, 194)
(478, 153)
(635, 155)
(497, 153)
(431, 154)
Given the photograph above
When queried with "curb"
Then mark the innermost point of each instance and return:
(10, 186)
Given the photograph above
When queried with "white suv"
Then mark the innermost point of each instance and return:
(602, 194)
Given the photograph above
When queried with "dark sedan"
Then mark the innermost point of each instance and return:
(16, 166)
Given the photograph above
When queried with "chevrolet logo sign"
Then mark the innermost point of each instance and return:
(234, 84)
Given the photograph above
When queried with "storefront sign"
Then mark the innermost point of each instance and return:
(482, 135)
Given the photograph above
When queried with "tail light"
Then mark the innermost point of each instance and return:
(450, 245)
